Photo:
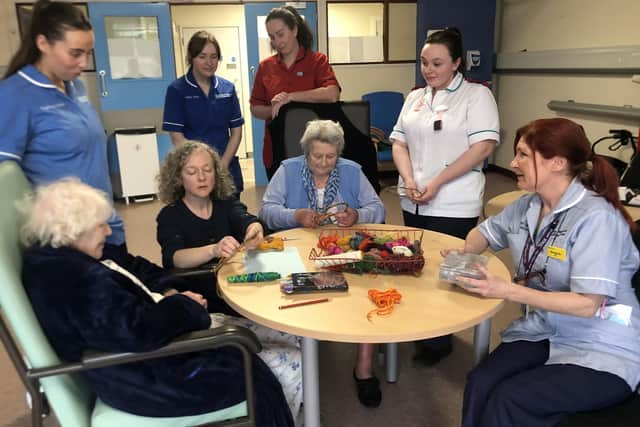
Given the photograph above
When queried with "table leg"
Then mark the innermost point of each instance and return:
(391, 361)
(481, 339)
(310, 382)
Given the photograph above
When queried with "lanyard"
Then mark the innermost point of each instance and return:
(530, 252)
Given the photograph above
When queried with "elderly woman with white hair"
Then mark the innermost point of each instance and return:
(303, 193)
(87, 298)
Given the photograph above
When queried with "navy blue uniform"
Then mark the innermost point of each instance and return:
(205, 118)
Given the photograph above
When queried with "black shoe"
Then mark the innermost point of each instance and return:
(430, 356)
(369, 392)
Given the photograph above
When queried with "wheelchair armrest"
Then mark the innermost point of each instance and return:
(204, 270)
(227, 335)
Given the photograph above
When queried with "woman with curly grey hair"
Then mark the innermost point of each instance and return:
(202, 220)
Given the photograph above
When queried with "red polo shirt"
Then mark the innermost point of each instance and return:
(310, 71)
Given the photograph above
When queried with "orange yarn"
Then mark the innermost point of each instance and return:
(271, 243)
(384, 301)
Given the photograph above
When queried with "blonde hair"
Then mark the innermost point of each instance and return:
(59, 212)
(170, 188)
(325, 131)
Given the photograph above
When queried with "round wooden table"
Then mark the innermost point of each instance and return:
(495, 205)
(429, 307)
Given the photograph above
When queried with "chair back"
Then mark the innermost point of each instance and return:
(296, 118)
(68, 395)
(295, 122)
(384, 109)
(358, 113)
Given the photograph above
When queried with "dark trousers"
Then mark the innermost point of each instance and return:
(513, 387)
(457, 227)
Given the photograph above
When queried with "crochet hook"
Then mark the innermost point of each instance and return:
(300, 304)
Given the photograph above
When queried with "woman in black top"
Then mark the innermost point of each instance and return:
(202, 221)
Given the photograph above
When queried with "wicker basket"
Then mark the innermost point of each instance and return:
(372, 263)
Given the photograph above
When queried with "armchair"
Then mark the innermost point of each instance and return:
(58, 386)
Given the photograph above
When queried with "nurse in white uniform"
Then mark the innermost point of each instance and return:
(444, 133)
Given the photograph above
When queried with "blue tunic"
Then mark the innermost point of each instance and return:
(200, 118)
(285, 194)
(591, 251)
(53, 135)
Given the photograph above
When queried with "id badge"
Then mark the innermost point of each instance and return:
(556, 252)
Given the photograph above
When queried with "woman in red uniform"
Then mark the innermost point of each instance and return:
(294, 73)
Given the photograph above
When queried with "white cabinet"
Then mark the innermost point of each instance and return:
(134, 164)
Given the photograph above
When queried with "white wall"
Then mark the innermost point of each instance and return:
(356, 80)
(552, 24)
(9, 34)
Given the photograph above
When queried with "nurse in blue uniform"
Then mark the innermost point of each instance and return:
(201, 106)
(47, 124)
(577, 345)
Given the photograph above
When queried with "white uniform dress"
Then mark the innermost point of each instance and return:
(468, 114)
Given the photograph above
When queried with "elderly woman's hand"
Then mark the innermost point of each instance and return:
(254, 235)
(226, 247)
(347, 218)
(196, 297)
(491, 286)
(305, 217)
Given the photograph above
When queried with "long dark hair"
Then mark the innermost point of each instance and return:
(52, 20)
(564, 138)
(291, 18)
(451, 38)
(198, 41)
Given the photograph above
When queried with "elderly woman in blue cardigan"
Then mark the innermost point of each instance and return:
(306, 188)
(88, 296)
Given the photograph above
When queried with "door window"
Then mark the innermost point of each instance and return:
(133, 46)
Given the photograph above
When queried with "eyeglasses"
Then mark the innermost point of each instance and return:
(535, 279)
(402, 191)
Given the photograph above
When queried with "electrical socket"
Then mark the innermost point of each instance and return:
(635, 78)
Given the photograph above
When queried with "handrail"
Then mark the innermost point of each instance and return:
(625, 112)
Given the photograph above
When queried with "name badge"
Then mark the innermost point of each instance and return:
(299, 74)
(557, 253)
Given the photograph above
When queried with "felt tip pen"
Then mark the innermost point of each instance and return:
(300, 304)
